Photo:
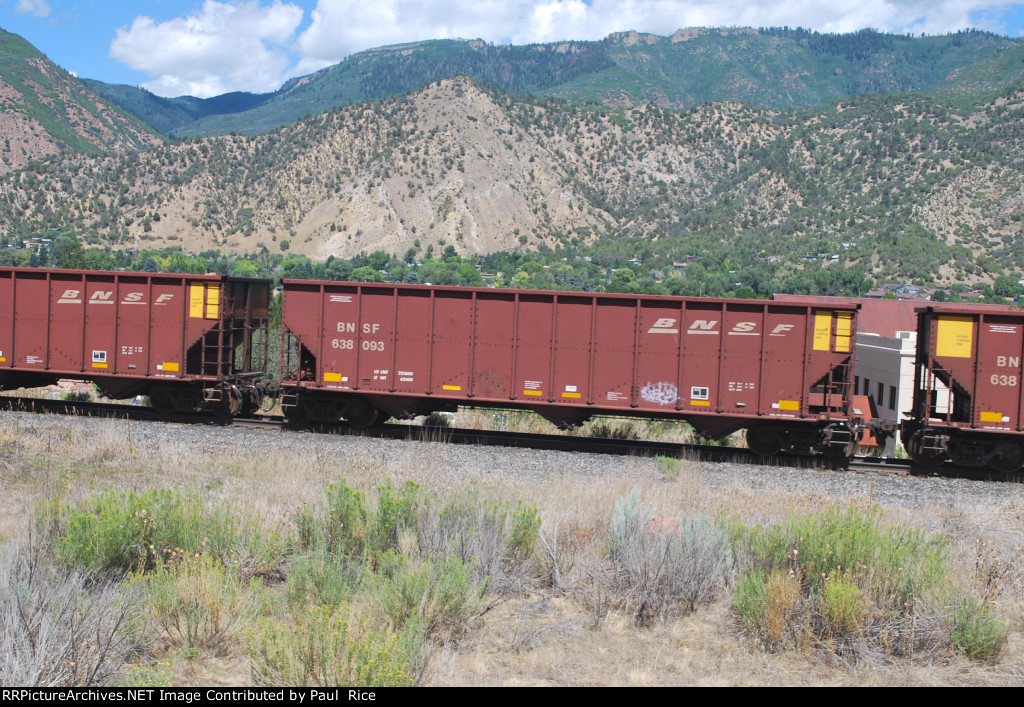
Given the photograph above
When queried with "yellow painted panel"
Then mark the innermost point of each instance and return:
(170, 366)
(451, 387)
(822, 330)
(213, 301)
(196, 294)
(99, 365)
(332, 378)
(991, 417)
(844, 331)
(955, 337)
(537, 393)
(701, 403)
(570, 395)
(789, 405)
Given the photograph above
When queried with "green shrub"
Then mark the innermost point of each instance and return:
(442, 593)
(977, 631)
(120, 533)
(332, 649)
(828, 577)
(396, 511)
(197, 605)
(342, 528)
(323, 579)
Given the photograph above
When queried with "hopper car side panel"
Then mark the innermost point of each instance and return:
(722, 364)
(129, 331)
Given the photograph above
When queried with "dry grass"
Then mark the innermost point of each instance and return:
(559, 634)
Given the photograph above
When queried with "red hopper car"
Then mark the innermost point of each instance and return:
(783, 371)
(190, 342)
(968, 404)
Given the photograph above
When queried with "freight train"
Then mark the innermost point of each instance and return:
(363, 352)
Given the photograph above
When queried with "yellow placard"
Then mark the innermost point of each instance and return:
(789, 405)
(212, 301)
(822, 331)
(170, 366)
(196, 298)
(955, 337)
(451, 387)
(701, 403)
(570, 395)
(991, 417)
(844, 331)
(99, 365)
(537, 393)
(332, 378)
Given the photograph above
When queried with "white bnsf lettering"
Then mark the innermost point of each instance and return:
(133, 298)
(99, 297)
(781, 329)
(70, 297)
(665, 325)
(164, 299)
(1008, 361)
(346, 327)
(744, 329)
(371, 328)
(703, 326)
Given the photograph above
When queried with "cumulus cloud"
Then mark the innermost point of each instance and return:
(252, 44)
(39, 8)
(227, 46)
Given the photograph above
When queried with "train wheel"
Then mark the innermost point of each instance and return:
(921, 455)
(360, 413)
(764, 439)
(1009, 457)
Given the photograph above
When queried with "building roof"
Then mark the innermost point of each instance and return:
(885, 317)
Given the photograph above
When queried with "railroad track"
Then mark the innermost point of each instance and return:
(555, 442)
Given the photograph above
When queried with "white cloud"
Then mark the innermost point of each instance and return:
(39, 8)
(227, 46)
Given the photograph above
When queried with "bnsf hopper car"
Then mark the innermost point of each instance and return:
(780, 370)
(189, 342)
(968, 404)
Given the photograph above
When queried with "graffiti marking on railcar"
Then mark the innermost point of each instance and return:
(662, 393)
(665, 325)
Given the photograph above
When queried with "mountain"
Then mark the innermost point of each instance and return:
(45, 111)
(771, 68)
(894, 184)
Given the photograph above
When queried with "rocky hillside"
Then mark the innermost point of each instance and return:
(899, 185)
(45, 111)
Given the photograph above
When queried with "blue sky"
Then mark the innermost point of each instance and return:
(208, 47)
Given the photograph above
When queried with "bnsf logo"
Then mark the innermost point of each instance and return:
(667, 325)
(107, 297)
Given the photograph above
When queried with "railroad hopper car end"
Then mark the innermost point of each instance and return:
(189, 342)
(782, 371)
(968, 405)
